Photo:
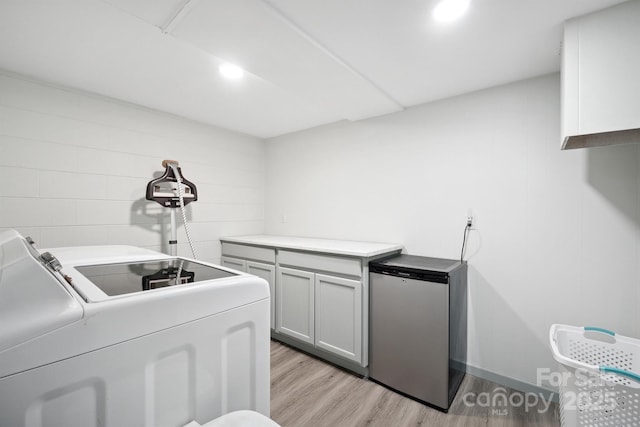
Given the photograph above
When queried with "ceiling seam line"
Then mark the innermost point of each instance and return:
(179, 14)
(277, 12)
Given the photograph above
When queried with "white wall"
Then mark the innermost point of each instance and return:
(74, 169)
(558, 232)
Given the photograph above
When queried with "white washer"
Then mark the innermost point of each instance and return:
(115, 338)
(242, 418)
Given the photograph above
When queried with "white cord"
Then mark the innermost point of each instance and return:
(182, 208)
(178, 281)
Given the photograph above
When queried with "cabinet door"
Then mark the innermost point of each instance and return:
(410, 336)
(295, 303)
(339, 316)
(235, 263)
(600, 66)
(268, 273)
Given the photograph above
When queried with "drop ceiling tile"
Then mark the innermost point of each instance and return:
(253, 35)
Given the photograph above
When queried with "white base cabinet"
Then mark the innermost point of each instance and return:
(235, 263)
(268, 273)
(339, 316)
(295, 305)
(322, 310)
(319, 291)
(260, 269)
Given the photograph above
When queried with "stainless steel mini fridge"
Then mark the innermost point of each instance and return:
(418, 326)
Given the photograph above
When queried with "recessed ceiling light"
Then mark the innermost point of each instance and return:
(231, 71)
(450, 10)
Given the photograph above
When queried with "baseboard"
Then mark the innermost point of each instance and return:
(512, 383)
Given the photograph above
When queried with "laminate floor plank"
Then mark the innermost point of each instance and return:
(308, 392)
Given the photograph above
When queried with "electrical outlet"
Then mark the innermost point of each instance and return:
(469, 218)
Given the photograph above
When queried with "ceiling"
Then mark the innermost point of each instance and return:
(308, 62)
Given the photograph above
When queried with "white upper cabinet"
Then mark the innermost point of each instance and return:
(601, 77)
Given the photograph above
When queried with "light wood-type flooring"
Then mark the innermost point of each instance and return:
(307, 392)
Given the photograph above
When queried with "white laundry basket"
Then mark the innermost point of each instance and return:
(599, 376)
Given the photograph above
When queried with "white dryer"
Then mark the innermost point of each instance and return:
(123, 336)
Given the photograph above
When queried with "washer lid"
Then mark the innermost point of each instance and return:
(124, 278)
(33, 297)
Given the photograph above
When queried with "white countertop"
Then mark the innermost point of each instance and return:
(339, 247)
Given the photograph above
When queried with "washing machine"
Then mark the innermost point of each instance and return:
(124, 336)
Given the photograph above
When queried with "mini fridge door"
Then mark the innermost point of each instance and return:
(410, 337)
